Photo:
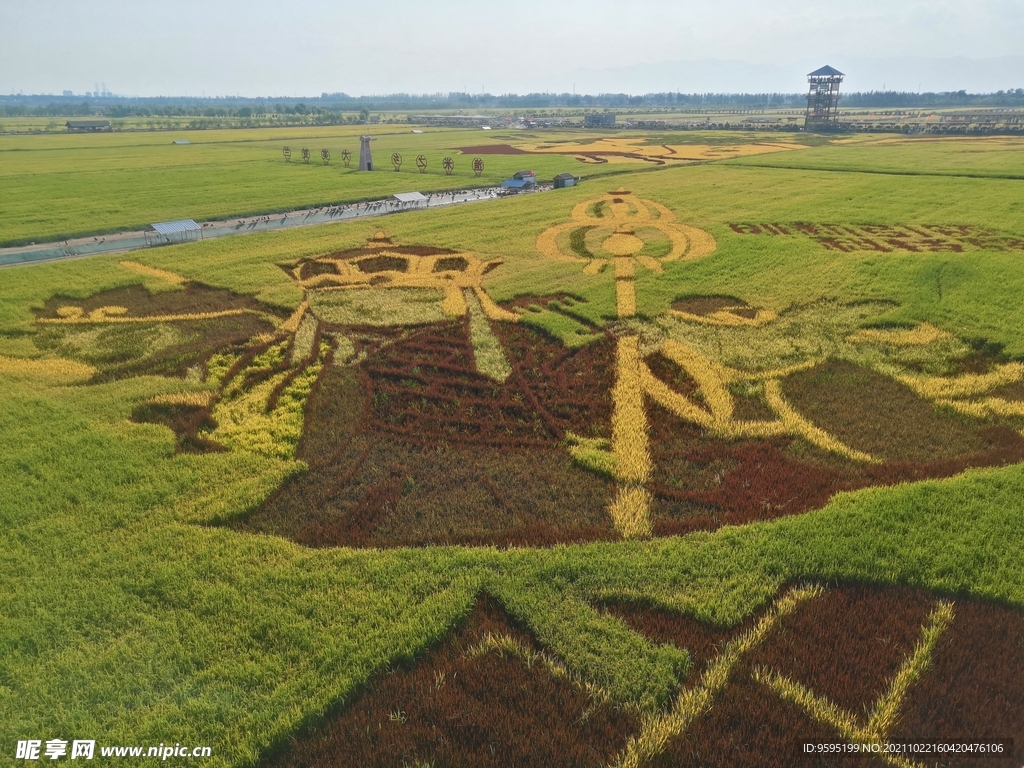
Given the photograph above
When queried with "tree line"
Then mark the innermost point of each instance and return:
(339, 107)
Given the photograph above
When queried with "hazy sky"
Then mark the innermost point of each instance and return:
(305, 47)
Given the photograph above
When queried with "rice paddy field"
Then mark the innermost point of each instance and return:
(693, 464)
(59, 186)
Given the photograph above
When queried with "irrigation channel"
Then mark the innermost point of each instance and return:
(137, 240)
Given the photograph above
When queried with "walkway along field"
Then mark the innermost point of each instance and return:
(123, 242)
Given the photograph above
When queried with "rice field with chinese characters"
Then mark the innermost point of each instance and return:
(687, 467)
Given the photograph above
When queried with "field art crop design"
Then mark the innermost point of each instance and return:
(923, 238)
(608, 533)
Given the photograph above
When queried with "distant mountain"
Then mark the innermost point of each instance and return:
(908, 73)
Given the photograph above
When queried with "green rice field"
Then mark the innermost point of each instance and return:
(686, 465)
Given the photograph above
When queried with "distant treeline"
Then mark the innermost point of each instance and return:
(882, 99)
(334, 107)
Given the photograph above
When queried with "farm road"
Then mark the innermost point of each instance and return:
(133, 241)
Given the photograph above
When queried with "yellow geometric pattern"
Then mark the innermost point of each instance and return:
(609, 230)
(420, 272)
(724, 317)
(630, 445)
(161, 274)
(658, 729)
(616, 219)
(51, 370)
(876, 730)
(632, 149)
(958, 392)
(71, 315)
(923, 334)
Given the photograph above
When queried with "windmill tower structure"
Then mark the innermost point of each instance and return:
(822, 98)
(365, 158)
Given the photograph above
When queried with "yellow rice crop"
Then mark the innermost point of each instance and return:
(291, 325)
(687, 242)
(711, 377)
(678, 152)
(346, 276)
(630, 511)
(630, 444)
(546, 244)
(101, 316)
(990, 406)
(885, 714)
(243, 423)
(657, 729)
(625, 298)
(622, 244)
(624, 268)
(69, 314)
(492, 310)
(726, 318)
(161, 274)
(822, 710)
(923, 334)
(102, 313)
(886, 711)
(630, 440)
(420, 274)
(797, 424)
(506, 645)
(194, 399)
(678, 404)
(701, 243)
(454, 304)
(651, 263)
(58, 369)
(968, 385)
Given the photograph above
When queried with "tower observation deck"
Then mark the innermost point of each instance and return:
(823, 98)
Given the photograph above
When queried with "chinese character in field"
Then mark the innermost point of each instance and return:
(56, 748)
(29, 750)
(82, 749)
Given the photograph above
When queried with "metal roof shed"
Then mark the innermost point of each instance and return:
(87, 126)
(164, 232)
(409, 197)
